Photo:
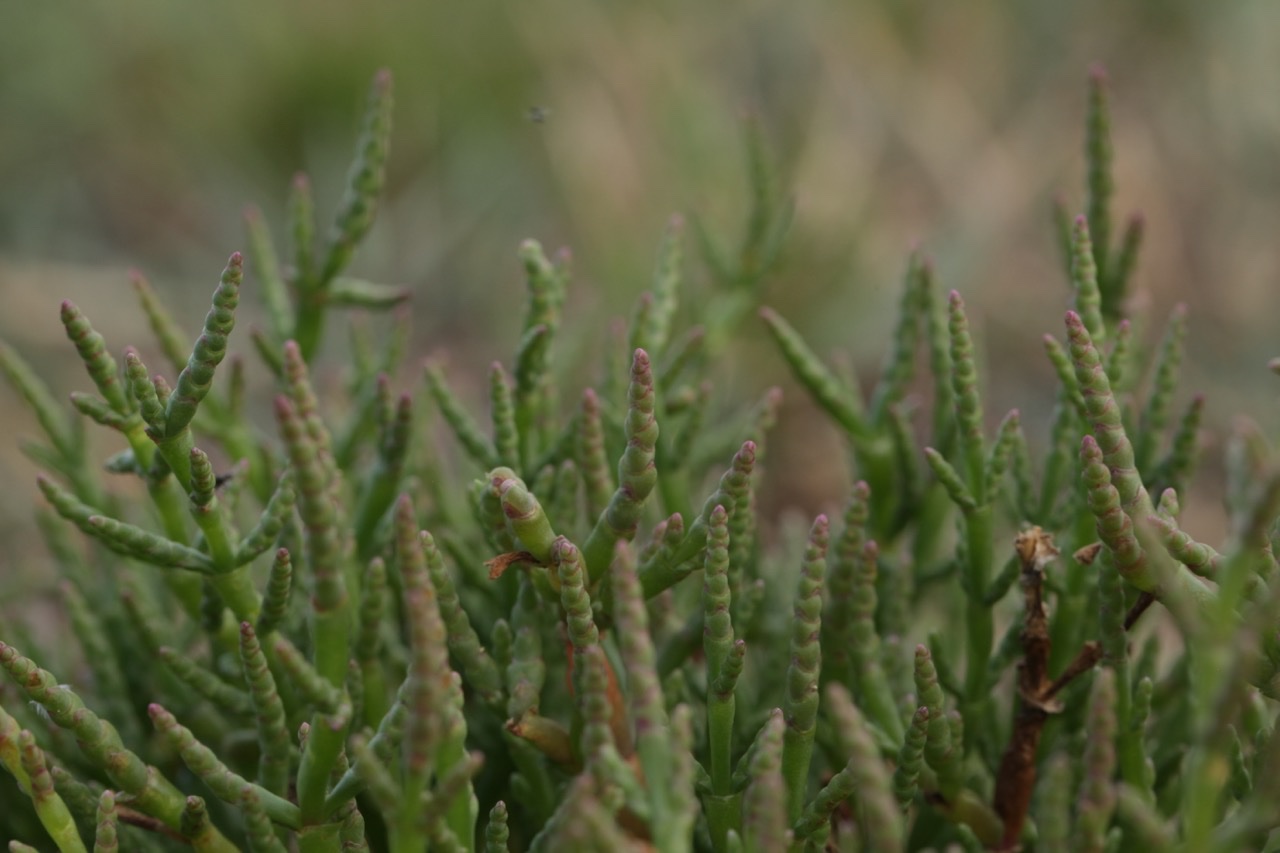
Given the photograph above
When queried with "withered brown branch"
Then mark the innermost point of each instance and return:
(1085, 557)
(1037, 694)
(498, 565)
(1090, 653)
(147, 822)
(1016, 778)
(1140, 605)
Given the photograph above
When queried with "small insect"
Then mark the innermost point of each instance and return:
(221, 480)
(538, 115)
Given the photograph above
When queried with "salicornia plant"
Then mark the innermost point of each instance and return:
(336, 643)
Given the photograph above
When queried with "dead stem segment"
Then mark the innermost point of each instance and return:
(1037, 694)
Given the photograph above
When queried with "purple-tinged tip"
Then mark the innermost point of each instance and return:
(1125, 324)
(676, 221)
(301, 182)
(1097, 73)
(563, 550)
(155, 709)
(1081, 221)
(1089, 445)
(767, 314)
(235, 260)
(1073, 320)
(1179, 310)
(383, 78)
(955, 300)
(67, 307)
(922, 651)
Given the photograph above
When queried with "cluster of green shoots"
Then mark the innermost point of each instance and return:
(347, 642)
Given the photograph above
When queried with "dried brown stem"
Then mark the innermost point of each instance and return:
(1036, 693)
(147, 822)
(1090, 653)
(1017, 774)
(1139, 607)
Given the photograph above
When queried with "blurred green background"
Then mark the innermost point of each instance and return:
(133, 133)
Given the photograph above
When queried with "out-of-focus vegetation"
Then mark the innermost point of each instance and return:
(133, 133)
